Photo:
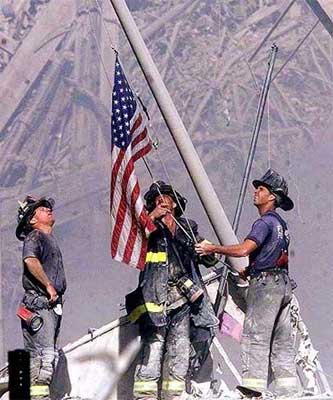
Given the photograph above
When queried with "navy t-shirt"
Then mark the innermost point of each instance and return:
(270, 233)
(45, 248)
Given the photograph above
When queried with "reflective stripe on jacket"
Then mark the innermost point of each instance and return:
(147, 304)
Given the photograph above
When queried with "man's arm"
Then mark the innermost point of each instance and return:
(208, 260)
(36, 269)
(158, 212)
(236, 250)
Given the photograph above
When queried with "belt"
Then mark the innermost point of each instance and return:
(42, 295)
(268, 272)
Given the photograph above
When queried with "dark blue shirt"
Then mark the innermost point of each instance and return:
(45, 248)
(270, 233)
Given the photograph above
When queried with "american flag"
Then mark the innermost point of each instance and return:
(130, 141)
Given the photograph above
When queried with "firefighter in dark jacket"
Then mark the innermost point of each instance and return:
(170, 304)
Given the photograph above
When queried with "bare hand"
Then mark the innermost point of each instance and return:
(243, 274)
(204, 248)
(52, 293)
(159, 211)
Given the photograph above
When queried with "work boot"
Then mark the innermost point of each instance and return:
(268, 395)
(144, 398)
(296, 395)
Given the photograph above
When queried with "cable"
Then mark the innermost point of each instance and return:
(268, 132)
(106, 29)
(175, 194)
(296, 50)
(145, 110)
(166, 173)
(98, 46)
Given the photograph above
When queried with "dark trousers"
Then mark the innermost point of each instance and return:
(267, 348)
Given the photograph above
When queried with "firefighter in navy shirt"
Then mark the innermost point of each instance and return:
(44, 283)
(267, 348)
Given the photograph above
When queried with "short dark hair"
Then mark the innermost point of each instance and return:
(277, 201)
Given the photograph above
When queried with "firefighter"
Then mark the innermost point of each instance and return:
(267, 348)
(170, 304)
(44, 283)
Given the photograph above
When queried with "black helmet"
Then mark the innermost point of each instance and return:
(26, 211)
(160, 187)
(277, 185)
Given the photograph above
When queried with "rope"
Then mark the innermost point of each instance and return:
(105, 27)
(296, 50)
(159, 191)
(246, 62)
(148, 117)
(150, 126)
(170, 182)
(99, 51)
(268, 132)
(220, 260)
(148, 168)
(175, 194)
(166, 174)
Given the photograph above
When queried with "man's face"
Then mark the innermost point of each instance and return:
(43, 215)
(262, 196)
(166, 201)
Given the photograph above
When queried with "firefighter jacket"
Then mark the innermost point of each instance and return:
(147, 304)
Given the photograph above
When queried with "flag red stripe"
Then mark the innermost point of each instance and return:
(121, 213)
(136, 124)
(143, 252)
(142, 152)
(120, 158)
(128, 216)
(142, 136)
(131, 241)
(115, 171)
(134, 227)
(142, 257)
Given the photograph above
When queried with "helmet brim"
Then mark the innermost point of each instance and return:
(43, 202)
(285, 203)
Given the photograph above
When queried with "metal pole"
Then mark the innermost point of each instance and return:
(255, 135)
(296, 50)
(2, 331)
(201, 182)
(271, 30)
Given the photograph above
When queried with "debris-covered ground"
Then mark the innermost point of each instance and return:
(207, 54)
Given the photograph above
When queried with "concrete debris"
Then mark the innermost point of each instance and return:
(236, 395)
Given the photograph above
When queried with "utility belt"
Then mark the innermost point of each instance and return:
(36, 301)
(187, 292)
(32, 303)
(256, 274)
(139, 305)
(280, 267)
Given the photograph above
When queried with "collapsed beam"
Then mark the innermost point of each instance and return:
(323, 13)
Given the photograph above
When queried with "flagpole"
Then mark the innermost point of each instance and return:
(2, 333)
(248, 167)
(255, 135)
(201, 182)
